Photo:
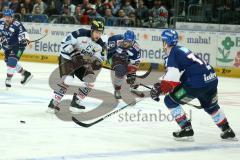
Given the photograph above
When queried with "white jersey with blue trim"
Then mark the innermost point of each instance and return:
(79, 42)
(12, 34)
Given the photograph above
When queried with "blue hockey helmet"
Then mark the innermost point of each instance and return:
(8, 12)
(170, 37)
(129, 36)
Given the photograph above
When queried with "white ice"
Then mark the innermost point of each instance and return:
(45, 136)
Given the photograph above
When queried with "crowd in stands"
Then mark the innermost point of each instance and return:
(134, 13)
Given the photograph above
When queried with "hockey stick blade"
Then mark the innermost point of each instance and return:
(38, 39)
(145, 74)
(86, 125)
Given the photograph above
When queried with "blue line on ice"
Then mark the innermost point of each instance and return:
(142, 152)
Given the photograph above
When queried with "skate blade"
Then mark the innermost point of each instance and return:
(8, 88)
(230, 139)
(184, 139)
(75, 110)
(29, 78)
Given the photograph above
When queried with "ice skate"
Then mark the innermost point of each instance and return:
(8, 82)
(185, 134)
(117, 94)
(227, 133)
(27, 76)
(76, 106)
(53, 107)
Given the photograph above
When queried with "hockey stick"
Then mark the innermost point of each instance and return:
(198, 107)
(38, 39)
(29, 41)
(137, 76)
(101, 119)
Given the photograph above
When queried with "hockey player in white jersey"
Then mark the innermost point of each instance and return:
(13, 40)
(82, 52)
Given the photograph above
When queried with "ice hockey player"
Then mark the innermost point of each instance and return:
(82, 52)
(13, 39)
(124, 57)
(188, 77)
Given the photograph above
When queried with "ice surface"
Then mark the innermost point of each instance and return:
(45, 136)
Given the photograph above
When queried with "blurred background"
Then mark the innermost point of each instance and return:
(127, 13)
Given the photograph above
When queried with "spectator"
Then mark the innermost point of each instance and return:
(27, 4)
(70, 6)
(3, 3)
(115, 5)
(85, 8)
(100, 8)
(37, 16)
(123, 20)
(142, 13)
(36, 10)
(78, 12)
(159, 15)
(134, 21)
(110, 20)
(127, 7)
(42, 6)
(23, 12)
(54, 7)
(15, 6)
(86, 5)
(66, 11)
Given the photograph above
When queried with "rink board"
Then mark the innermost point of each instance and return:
(44, 58)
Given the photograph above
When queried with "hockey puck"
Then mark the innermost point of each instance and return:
(22, 121)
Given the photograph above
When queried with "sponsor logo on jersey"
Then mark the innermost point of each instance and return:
(210, 77)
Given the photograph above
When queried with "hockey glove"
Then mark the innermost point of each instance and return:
(24, 42)
(3, 41)
(96, 64)
(131, 78)
(156, 92)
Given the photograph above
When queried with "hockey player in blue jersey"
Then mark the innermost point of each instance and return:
(188, 77)
(13, 40)
(124, 57)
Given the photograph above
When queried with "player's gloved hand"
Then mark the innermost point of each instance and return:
(96, 64)
(131, 78)
(156, 92)
(2, 41)
(24, 42)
